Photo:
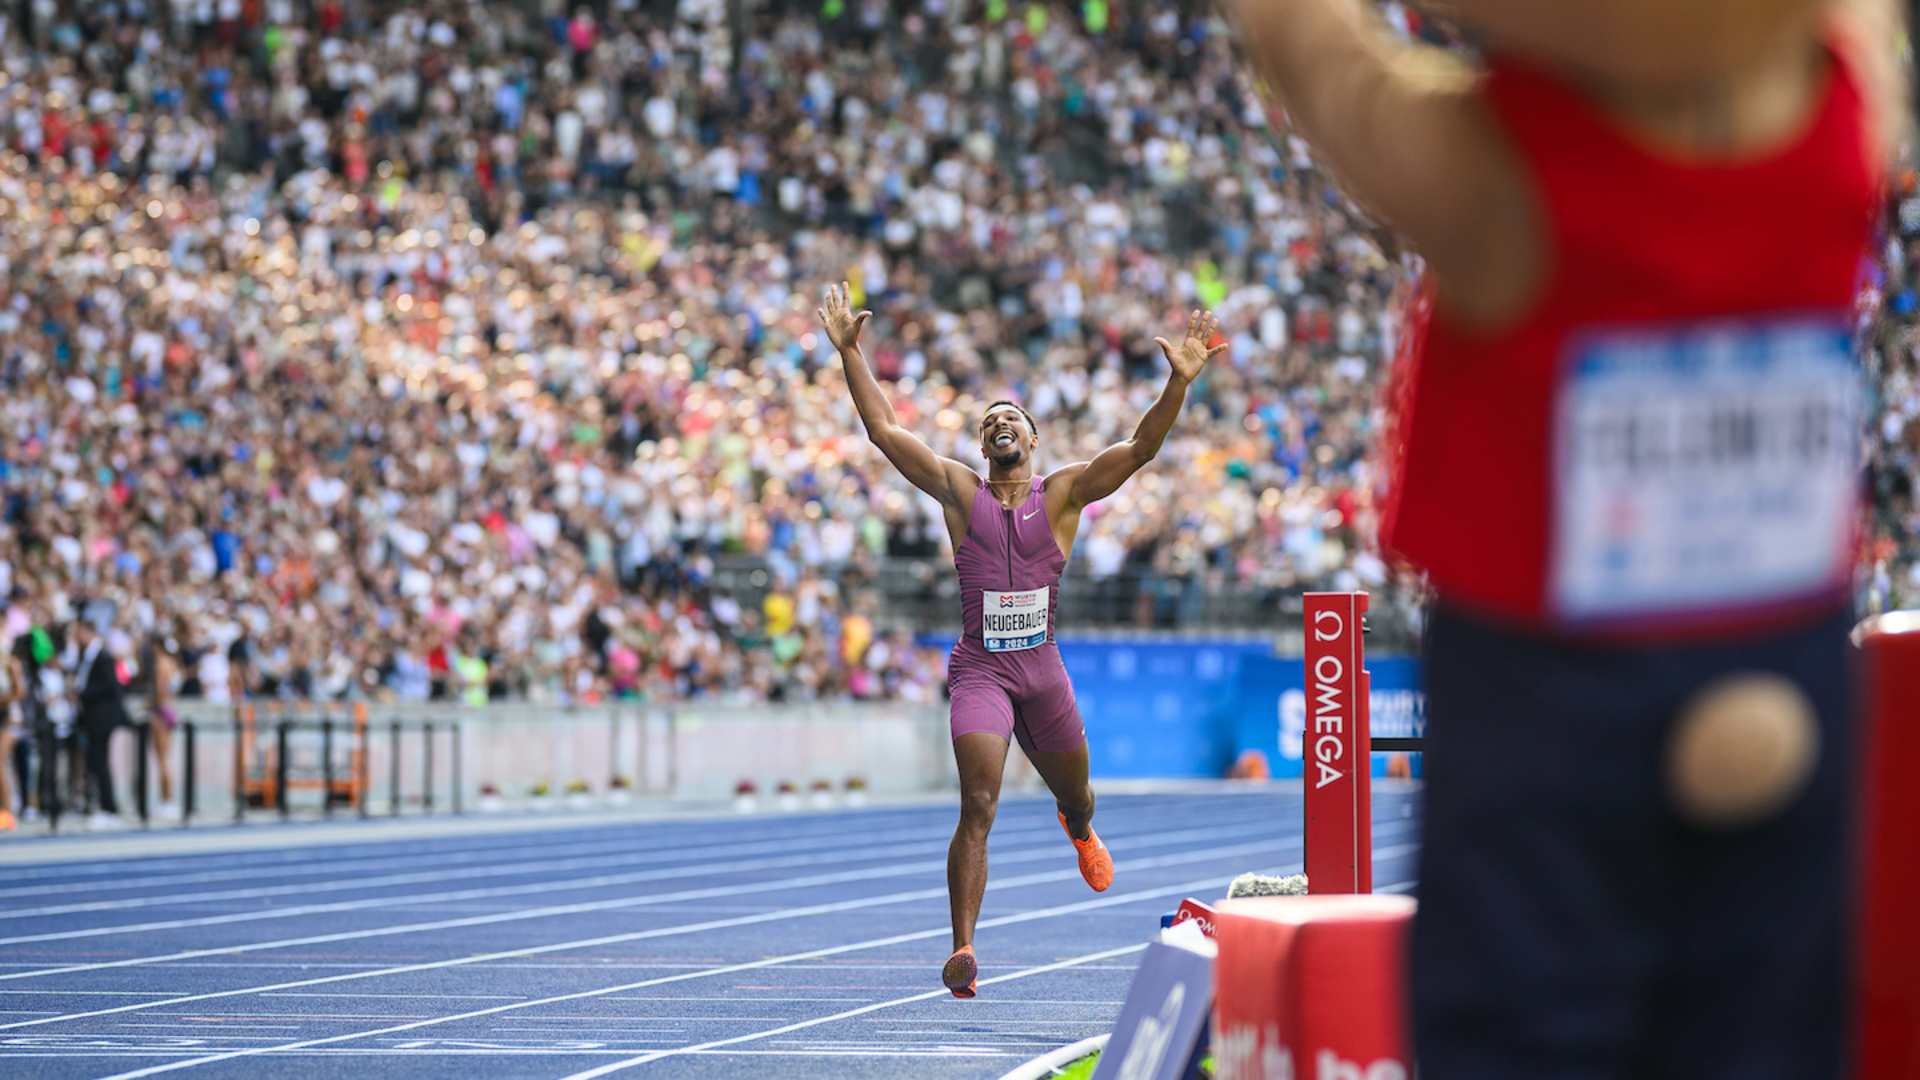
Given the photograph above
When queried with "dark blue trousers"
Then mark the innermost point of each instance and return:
(1570, 926)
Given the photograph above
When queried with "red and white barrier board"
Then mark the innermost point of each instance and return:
(1312, 987)
(1889, 968)
(1337, 747)
(1193, 911)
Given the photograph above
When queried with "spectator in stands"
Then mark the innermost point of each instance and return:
(11, 728)
(101, 710)
(159, 671)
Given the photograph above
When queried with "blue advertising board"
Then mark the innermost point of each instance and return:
(1176, 706)
(1155, 707)
(1273, 707)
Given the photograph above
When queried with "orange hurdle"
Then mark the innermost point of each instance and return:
(261, 771)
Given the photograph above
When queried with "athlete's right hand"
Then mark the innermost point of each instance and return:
(842, 322)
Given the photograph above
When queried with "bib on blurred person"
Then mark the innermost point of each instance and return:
(1701, 467)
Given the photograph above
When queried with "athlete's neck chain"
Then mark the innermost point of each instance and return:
(990, 482)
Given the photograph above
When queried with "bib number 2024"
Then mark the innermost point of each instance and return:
(1013, 620)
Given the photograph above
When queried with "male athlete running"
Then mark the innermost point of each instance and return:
(1011, 534)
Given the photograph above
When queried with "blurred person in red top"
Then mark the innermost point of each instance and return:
(1626, 456)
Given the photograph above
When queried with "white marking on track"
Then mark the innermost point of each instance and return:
(687, 928)
(603, 881)
(1028, 916)
(562, 909)
(489, 870)
(675, 851)
(716, 1044)
(604, 838)
(404, 849)
(434, 997)
(374, 1051)
(319, 867)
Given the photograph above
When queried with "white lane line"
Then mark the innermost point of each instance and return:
(318, 939)
(40, 992)
(684, 928)
(836, 842)
(409, 997)
(399, 849)
(601, 837)
(1184, 888)
(677, 851)
(998, 1050)
(611, 852)
(604, 881)
(456, 1051)
(647, 934)
(1028, 916)
(826, 854)
(455, 860)
(619, 1066)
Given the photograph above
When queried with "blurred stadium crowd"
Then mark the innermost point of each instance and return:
(464, 349)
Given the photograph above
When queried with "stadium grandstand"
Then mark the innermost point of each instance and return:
(374, 334)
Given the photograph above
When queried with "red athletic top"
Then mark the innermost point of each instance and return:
(1561, 473)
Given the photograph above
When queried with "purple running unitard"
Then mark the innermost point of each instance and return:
(1005, 673)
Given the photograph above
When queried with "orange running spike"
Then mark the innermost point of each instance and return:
(1095, 864)
(961, 973)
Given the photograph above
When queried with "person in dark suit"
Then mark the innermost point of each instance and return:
(102, 709)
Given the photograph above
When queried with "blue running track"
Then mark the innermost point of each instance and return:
(793, 945)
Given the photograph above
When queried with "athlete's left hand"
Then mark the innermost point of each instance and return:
(1193, 354)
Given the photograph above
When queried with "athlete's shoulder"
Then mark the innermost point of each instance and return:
(963, 477)
(1062, 477)
(1057, 485)
(963, 486)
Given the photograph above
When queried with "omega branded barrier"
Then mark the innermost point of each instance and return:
(1338, 744)
(1315, 986)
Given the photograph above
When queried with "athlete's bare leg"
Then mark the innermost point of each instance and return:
(1020, 773)
(982, 756)
(162, 737)
(6, 771)
(1065, 772)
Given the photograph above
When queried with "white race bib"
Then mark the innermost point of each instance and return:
(1703, 467)
(1011, 621)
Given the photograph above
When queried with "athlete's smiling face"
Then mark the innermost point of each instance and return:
(1007, 437)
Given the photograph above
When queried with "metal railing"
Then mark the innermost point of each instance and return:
(923, 594)
(265, 777)
(280, 753)
(59, 772)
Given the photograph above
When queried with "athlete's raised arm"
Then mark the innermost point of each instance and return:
(1110, 468)
(939, 477)
(1409, 136)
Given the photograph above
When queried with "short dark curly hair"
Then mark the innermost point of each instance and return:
(1031, 426)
